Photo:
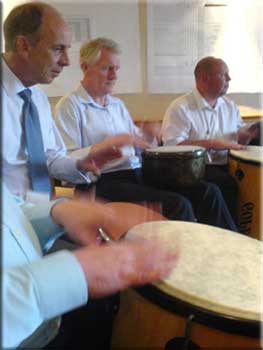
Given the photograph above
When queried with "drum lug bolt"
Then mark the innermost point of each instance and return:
(184, 343)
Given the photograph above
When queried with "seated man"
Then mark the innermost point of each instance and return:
(36, 290)
(89, 115)
(32, 147)
(205, 117)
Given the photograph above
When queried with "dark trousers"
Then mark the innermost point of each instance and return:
(219, 175)
(90, 326)
(202, 202)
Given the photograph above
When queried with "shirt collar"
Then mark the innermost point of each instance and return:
(85, 98)
(202, 103)
(11, 84)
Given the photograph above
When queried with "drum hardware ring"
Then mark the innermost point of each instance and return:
(184, 343)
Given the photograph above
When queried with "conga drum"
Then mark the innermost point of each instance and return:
(211, 300)
(246, 167)
(168, 167)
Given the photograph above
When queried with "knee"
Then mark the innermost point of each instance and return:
(214, 191)
(177, 207)
(184, 206)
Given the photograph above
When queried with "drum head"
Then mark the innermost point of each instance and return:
(252, 154)
(185, 150)
(218, 270)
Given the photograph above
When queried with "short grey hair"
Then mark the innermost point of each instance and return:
(90, 51)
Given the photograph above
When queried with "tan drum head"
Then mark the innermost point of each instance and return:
(218, 270)
(252, 154)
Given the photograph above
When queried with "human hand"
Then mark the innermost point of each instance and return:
(99, 155)
(116, 266)
(249, 133)
(129, 214)
(219, 144)
(108, 150)
(82, 219)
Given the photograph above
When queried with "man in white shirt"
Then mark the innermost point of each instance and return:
(89, 114)
(205, 117)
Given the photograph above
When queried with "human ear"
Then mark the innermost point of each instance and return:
(23, 45)
(84, 66)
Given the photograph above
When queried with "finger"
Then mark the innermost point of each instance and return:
(154, 261)
(239, 147)
(93, 167)
(141, 143)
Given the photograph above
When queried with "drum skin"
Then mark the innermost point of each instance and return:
(142, 324)
(248, 175)
(210, 300)
(171, 169)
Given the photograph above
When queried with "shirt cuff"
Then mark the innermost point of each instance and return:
(80, 153)
(40, 218)
(60, 283)
(89, 177)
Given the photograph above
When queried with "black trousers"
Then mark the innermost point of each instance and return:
(219, 175)
(88, 327)
(202, 202)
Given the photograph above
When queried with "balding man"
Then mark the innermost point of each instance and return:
(205, 117)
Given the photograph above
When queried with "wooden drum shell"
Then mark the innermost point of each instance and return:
(248, 175)
(142, 324)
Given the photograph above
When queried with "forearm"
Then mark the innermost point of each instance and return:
(208, 144)
(248, 132)
(215, 144)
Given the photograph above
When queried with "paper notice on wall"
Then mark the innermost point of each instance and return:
(181, 32)
(115, 20)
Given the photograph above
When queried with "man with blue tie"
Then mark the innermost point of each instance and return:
(37, 40)
(35, 53)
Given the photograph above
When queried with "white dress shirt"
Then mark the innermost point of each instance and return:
(14, 154)
(190, 117)
(82, 122)
(35, 289)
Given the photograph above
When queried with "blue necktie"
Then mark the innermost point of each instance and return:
(38, 170)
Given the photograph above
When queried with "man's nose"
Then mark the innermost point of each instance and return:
(113, 74)
(64, 59)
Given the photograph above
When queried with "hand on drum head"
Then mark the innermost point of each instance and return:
(82, 219)
(223, 144)
(114, 267)
(127, 215)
